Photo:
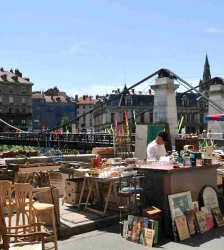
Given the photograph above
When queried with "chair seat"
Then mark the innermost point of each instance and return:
(26, 246)
(42, 206)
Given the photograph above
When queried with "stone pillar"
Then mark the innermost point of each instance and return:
(216, 94)
(165, 107)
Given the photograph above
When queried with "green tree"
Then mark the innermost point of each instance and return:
(66, 124)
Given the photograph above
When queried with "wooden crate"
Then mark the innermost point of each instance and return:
(73, 185)
(71, 198)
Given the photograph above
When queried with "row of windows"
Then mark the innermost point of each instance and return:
(141, 119)
(192, 118)
(14, 111)
(11, 90)
(11, 99)
(84, 106)
(12, 121)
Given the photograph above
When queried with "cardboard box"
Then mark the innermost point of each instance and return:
(153, 213)
(122, 200)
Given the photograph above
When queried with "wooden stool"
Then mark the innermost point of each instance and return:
(39, 208)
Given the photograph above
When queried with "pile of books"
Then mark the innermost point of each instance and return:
(141, 230)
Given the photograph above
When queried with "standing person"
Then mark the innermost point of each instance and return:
(204, 134)
(156, 148)
(209, 137)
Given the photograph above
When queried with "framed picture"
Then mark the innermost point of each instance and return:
(200, 216)
(179, 203)
(209, 197)
(218, 216)
(195, 206)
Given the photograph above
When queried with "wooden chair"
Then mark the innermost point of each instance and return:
(33, 210)
(36, 245)
(5, 196)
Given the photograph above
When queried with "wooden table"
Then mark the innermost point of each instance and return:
(94, 181)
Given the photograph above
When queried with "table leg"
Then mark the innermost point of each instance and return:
(88, 196)
(108, 196)
(82, 191)
(115, 190)
(97, 191)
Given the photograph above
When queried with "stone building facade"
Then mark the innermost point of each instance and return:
(15, 101)
(50, 107)
(190, 105)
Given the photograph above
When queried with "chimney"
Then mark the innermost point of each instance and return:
(150, 92)
(118, 90)
(11, 70)
(26, 78)
(90, 98)
(76, 98)
(84, 97)
(1, 69)
(18, 73)
(97, 97)
(133, 91)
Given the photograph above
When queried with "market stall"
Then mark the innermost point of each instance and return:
(162, 181)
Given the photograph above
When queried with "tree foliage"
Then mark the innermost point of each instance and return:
(66, 124)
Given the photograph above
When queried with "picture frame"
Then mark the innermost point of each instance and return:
(179, 203)
(209, 196)
(195, 206)
(218, 216)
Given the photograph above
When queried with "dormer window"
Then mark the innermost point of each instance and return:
(185, 101)
(4, 77)
(15, 78)
(128, 101)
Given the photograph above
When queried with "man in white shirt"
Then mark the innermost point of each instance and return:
(156, 148)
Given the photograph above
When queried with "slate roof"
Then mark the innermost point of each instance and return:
(11, 78)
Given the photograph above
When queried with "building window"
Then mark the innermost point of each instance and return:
(10, 90)
(84, 106)
(23, 121)
(11, 121)
(128, 101)
(11, 110)
(1, 109)
(186, 118)
(23, 101)
(11, 100)
(38, 107)
(142, 118)
(201, 118)
(151, 117)
(24, 111)
(112, 115)
(185, 101)
(23, 90)
(0, 99)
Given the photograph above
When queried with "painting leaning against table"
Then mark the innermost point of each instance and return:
(179, 203)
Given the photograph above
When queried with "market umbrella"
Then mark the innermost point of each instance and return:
(216, 117)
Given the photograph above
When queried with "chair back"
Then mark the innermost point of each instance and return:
(5, 192)
(22, 192)
(3, 229)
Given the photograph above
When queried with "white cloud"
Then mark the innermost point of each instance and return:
(78, 46)
(215, 30)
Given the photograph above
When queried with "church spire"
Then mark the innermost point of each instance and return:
(207, 73)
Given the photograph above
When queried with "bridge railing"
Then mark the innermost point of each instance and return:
(99, 139)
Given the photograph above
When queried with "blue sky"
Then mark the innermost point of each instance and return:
(90, 47)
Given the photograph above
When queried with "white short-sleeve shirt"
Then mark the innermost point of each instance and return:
(155, 150)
